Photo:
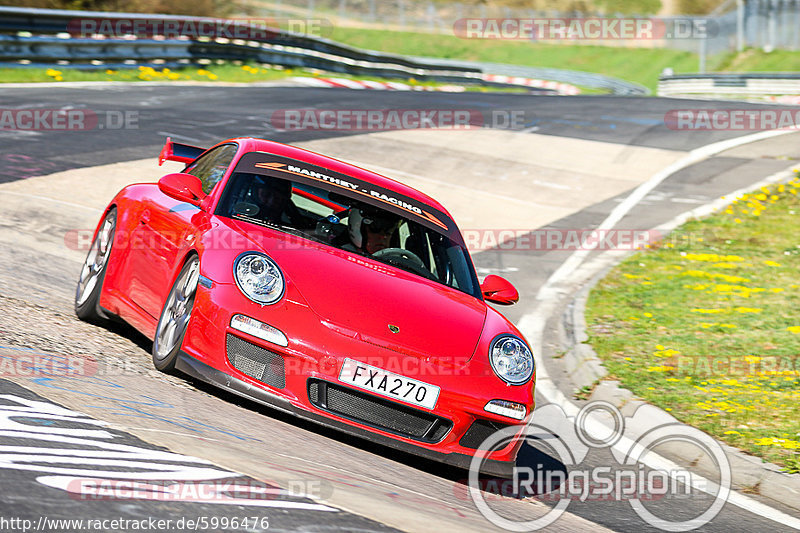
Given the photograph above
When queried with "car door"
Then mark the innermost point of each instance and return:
(165, 228)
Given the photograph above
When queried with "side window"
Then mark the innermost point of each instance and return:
(212, 166)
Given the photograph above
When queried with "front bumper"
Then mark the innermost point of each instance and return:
(204, 372)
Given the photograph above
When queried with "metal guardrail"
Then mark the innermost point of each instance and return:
(741, 85)
(574, 77)
(40, 36)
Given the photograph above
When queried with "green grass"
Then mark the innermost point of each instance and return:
(226, 72)
(705, 324)
(754, 60)
(639, 65)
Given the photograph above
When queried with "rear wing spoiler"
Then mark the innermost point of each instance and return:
(182, 153)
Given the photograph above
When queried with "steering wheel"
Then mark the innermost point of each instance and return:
(404, 259)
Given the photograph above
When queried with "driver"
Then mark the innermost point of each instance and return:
(371, 229)
(274, 199)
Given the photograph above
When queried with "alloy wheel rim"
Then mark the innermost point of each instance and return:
(177, 311)
(95, 261)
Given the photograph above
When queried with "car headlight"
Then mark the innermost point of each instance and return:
(259, 278)
(511, 359)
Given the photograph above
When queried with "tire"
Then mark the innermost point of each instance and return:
(93, 272)
(175, 316)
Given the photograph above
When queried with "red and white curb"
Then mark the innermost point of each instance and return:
(560, 88)
(785, 99)
(344, 83)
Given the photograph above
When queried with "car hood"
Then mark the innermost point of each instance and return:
(367, 300)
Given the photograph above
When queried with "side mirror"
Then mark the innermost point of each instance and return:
(499, 290)
(184, 187)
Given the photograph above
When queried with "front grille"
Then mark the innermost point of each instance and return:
(479, 431)
(256, 362)
(377, 412)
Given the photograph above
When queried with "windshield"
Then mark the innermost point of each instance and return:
(348, 221)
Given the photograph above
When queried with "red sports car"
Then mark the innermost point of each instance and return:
(317, 288)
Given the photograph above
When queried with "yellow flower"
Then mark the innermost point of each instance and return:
(748, 309)
(649, 315)
(709, 311)
(772, 263)
(714, 258)
(793, 329)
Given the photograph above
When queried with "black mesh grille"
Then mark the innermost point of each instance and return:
(479, 431)
(256, 362)
(383, 414)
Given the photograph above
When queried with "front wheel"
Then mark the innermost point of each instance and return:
(175, 316)
(93, 272)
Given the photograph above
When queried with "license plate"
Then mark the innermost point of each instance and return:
(388, 384)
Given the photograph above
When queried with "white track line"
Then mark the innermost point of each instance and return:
(642, 190)
(532, 324)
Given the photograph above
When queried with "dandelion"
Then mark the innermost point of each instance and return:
(713, 258)
(793, 329)
(772, 263)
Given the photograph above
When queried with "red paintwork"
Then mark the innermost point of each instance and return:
(336, 304)
(499, 290)
(182, 187)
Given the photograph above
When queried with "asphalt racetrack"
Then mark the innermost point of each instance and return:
(561, 163)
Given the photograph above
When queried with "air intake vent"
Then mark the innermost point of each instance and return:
(256, 362)
(377, 412)
(479, 431)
